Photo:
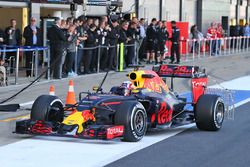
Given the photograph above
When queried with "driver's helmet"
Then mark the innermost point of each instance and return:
(126, 86)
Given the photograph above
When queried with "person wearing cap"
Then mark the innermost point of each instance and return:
(33, 37)
(57, 41)
(175, 39)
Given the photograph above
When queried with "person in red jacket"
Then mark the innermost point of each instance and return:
(212, 34)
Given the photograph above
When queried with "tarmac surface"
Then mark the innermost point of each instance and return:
(227, 148)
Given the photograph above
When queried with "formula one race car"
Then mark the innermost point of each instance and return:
(127, 111)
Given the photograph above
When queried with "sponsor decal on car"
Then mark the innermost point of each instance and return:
(115, 131)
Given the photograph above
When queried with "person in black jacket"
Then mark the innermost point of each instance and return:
(90, 42)
(82, 37)
(113, 37)
(175, 39)
(13, 34)
(131, 34)
(151, 34)
(1, 43)
(94, 58)
(13, 38)
(162, 36)
(33, 37)
(102, 34)
(57, 43)
(123, 38)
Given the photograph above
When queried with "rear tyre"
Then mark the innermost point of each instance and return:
(133, 117)
(47, 108)
(209, 112)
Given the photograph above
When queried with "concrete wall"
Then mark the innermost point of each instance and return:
(6, 14)
(149, 9)
(190, 12)
(172, 8)
(213, 11)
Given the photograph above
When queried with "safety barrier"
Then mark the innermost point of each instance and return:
(4, 50)
(190, 49)
(120, 52)
(14, 59)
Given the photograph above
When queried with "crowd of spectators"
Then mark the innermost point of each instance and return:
(85, 38)
(101, 36)
(83, 42)
(214, 36)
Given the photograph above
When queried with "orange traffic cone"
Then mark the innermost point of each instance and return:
(71, 98)
(52, 90)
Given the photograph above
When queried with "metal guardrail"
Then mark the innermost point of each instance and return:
(4, 49)
(7, 49)
(118, 47)
(191, 49)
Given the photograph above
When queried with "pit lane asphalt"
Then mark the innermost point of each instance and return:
(230, 147)
(222, 69)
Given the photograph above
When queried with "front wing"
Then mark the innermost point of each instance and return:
(103, 132)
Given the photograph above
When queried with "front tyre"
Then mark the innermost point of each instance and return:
(132, 115)
(47, 108)
(209, 112)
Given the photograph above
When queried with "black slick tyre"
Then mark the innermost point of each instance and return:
(47, 108)
(209, 112)
(133, 117)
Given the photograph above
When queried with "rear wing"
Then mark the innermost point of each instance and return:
(198, 77)
(176, 71)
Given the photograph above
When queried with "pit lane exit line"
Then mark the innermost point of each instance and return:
(16, 118)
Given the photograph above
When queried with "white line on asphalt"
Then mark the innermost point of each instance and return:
(241, 83)
(242, 103)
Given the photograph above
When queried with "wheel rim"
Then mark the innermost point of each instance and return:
(219, 114)
(139, 121)
(55, 113)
